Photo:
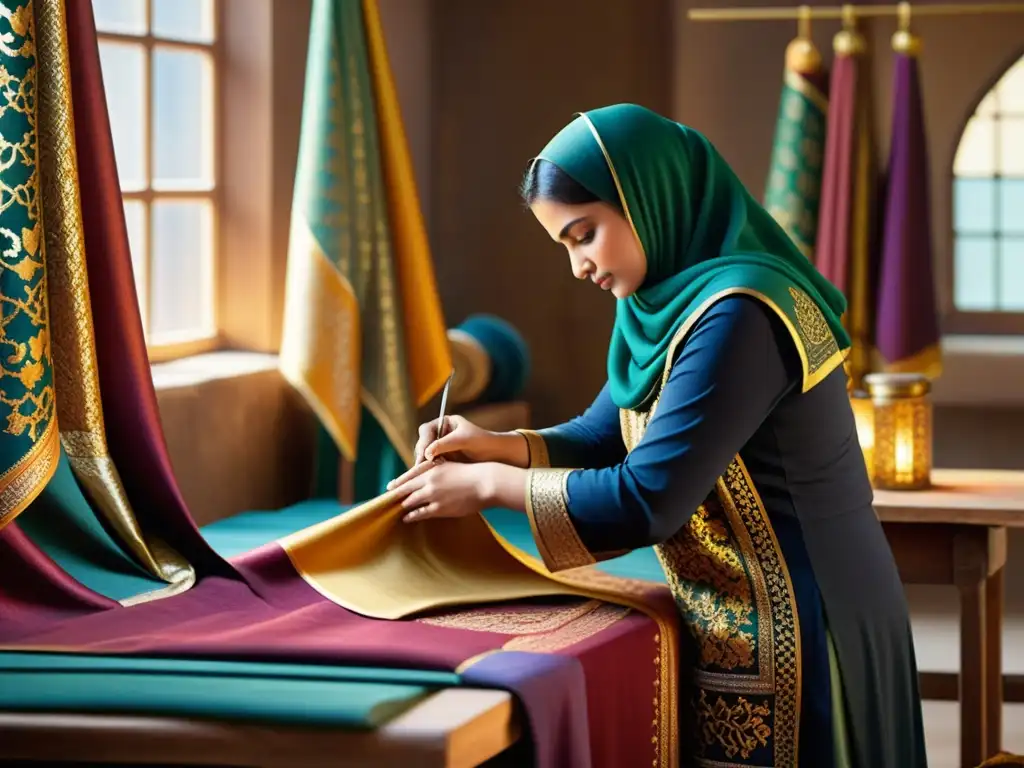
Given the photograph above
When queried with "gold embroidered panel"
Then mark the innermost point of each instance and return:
(541, 629)
(731, 585)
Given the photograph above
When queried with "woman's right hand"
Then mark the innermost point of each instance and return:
(465, 441)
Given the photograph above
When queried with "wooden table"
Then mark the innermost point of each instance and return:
(955, 534)
(454, 728)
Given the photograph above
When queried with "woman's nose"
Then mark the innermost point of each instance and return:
(582, 268)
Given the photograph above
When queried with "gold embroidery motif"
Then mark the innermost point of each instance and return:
(541, 629)
(559, 544)
(538, 449)
(730, 580)
(524, 620)
(818, 342)
(79, 408)
(27, 391)
(576, 631)
(706, 573)
(739, 728)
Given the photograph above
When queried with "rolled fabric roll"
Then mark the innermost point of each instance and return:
(491, 359)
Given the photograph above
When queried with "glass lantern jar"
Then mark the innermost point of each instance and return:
(902, 430)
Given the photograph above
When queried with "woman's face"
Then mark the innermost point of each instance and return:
(601, 244)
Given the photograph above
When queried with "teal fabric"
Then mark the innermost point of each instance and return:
(249, 530)
(700, 229)
(637, 564)
(62, 524)
(308, 695)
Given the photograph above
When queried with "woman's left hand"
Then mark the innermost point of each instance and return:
(442, 489)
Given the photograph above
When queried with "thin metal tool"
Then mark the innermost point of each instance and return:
(444, 405)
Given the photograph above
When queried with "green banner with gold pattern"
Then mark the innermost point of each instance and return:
(364, 339)
(29, 442)
(794, 179)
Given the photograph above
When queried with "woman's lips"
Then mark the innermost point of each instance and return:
(605, 283)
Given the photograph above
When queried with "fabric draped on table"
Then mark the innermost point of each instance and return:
(907, 323)
(82, 531)
(110, 525)
(364, 338)
(845, 252)
(619, 634)
(793, 191)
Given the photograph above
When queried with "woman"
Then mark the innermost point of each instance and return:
(724, 438)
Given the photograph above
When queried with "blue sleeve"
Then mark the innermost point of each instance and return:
(734, 367)
(590, 441)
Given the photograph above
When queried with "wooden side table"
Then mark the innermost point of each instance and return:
(955, 534)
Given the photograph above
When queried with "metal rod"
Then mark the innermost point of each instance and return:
(860, 11)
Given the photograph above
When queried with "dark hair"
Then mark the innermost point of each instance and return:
(546, 181)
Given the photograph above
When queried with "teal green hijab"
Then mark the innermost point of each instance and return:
(704, 237)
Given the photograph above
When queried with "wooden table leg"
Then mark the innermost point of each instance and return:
(994, 662)
(973, 675)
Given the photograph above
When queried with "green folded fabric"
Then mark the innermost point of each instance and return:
(358, 698)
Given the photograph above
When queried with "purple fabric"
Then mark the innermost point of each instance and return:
(134, 432)
(274, 615)
(34, 591)
(553, 689)
(832, 249)
(907, 319)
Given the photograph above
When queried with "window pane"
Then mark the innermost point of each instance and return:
(182, 270)
(976, 154)
(974, 203)
(1011, 198)
(1011, 277)
(1011, 90)
(124, 72)
(126, 17)
(184, 19)
(975, 278)
(1011, 146)
(135, 219)
(182, 120)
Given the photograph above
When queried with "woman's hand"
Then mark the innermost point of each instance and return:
(466, 442)
(442, 488)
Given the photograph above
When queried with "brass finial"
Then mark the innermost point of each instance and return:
(849, 41)
(802, 55)
(904, 41)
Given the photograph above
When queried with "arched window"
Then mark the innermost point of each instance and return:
(988, 208)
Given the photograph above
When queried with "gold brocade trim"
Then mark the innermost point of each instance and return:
(819, 356)
(538, 629)
(79, 407)
(522, 620)
(559, 544)
(727, 572)
(584, 627)
(807, 89)
(23, 482)
(537, 448)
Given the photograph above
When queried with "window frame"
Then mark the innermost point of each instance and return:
(149, 42)
(959, 322)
